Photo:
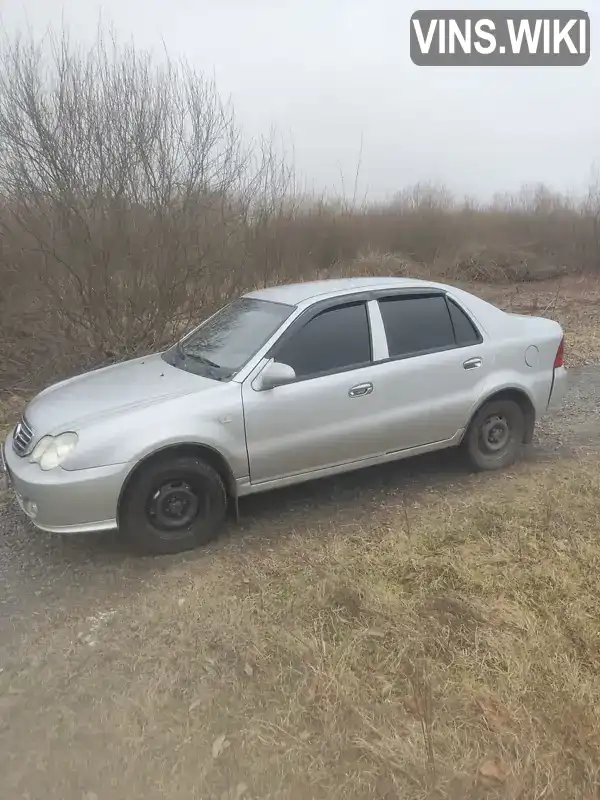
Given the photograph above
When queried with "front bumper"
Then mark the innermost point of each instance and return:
(65, 501)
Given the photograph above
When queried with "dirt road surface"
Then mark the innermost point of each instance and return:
(44, 577)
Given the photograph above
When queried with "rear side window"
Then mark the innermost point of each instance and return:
(416, 324)
(464, 330)
(335, 339)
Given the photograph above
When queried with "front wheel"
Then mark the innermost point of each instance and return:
(496, 434)
(172, 505)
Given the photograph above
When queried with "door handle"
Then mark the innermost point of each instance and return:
(472, 363)
(360, 390)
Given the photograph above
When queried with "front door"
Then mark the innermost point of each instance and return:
(321, 419)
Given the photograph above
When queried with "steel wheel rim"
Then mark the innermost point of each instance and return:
(173, 506)
(495, 434)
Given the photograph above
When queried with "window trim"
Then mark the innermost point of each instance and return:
(303, 319)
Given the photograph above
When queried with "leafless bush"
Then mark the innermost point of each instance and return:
(127, 195)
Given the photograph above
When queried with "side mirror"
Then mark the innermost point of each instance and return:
(276, 374)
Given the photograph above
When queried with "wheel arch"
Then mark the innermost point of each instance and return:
(208, 454)
(519, 396)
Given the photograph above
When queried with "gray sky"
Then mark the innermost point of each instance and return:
(326, 73)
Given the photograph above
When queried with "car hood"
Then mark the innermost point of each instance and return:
(142, 381)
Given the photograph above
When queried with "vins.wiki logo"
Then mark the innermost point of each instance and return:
(500, 38)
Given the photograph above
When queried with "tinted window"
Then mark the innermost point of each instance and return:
(335, 339)
(464, 330)
(414, 324)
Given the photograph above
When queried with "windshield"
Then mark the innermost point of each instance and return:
(224, 343)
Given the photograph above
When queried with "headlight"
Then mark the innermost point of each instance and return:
(51, 451)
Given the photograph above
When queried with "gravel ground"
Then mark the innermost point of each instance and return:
(576, 425)
(43, 576)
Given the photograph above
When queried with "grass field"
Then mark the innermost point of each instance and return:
(445, 645)
(442, 644)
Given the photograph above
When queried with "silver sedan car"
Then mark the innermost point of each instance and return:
(282, 385)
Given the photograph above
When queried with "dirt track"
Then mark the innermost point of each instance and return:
(44, 577)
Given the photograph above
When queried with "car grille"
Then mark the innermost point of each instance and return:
(22, 438)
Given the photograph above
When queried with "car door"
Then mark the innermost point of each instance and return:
(437, 364)
(321, 419)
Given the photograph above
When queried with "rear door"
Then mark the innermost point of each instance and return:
(437, 364)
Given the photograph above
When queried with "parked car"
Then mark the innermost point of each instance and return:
(282, 385)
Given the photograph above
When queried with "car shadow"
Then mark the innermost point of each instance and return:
(358, 487)
(356, 494)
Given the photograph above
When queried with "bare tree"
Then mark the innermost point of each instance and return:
(124, 183)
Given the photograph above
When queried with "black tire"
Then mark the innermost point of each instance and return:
(495, 436)
(174, 504)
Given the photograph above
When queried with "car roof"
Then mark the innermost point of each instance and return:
(295, 293)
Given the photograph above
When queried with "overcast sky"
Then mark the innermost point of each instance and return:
(328, 73)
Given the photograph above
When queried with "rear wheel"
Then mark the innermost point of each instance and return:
(173, 505)
(495, 436)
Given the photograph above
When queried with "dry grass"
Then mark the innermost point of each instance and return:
(445, 646)
(448, 648)
(10, 408)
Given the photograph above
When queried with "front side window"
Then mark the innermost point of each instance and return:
(416, 324)
(336, 339)
(223, 344)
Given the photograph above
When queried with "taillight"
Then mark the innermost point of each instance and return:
(559, 360)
